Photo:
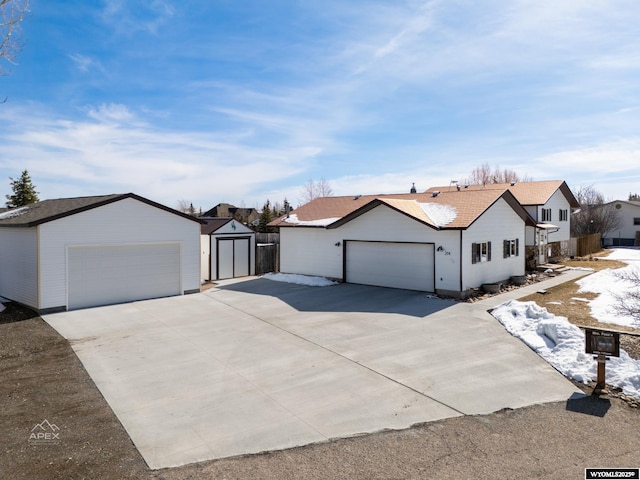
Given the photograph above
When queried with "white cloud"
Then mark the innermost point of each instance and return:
(113, 151)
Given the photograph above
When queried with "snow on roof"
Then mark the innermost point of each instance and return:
(322, 222)
(562, 344)
(16, 212)
(440, 214)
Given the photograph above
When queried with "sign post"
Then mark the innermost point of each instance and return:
(602, 344)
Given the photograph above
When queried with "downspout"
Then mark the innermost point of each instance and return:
(460, 257)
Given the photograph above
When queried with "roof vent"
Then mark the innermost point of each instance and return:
(413, 188)
(513, 183)
(357, 197)
(436, 193)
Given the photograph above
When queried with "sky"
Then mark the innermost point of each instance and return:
(211, 101)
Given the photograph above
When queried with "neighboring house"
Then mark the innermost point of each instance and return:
(225, 210)
(549, 203)
(228, 249)
(628, 234)
(73, 253)
(449, 243)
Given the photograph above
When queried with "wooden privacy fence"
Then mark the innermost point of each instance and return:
(267, 253)
(583, 246)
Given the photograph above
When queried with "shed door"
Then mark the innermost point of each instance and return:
(233, 257)
(387, 264)
(107, 274)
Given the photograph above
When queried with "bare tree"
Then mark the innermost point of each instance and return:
(485, 174)
(594, 215)
(11, 15)
(312, 190)
(186, 207)
(628, 302)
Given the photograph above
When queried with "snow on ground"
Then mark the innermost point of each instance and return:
(299, 279)
(606, 283)
(562, 344)
(1, 307)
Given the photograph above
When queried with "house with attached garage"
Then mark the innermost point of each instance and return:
(70, 253)
(549, 203)
(449, 243)
(628, 232)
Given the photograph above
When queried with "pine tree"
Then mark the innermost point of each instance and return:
(24, 193)
(265, 218)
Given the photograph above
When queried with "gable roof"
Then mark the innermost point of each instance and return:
(633, 203)
(448, 210)
(527, 193)
(49, 210)
(213, 224)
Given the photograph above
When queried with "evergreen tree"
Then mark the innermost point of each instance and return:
(24, 193)
(265, 218)
(634, 197)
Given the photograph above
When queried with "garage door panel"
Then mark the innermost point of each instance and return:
(225, 259)
(241, 257)
(107, 274)
(386, 264)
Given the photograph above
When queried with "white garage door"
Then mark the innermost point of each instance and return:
(397, 265)
(233, 257)
(107, 274)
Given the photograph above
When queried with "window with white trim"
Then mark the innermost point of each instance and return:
(480, 252)
(511, 248)
(546, 214)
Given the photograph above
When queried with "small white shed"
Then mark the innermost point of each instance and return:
(80, 252)
(227, 249)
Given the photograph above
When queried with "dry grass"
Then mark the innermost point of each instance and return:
(565, 300)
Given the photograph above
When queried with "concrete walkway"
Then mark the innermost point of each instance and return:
(258, 365)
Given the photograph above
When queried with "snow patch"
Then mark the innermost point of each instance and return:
(16, 212)
(607, 284)
(562, 344)
(323, 222)
(440, 214)
(299, 279)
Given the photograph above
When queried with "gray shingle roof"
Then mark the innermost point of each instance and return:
(49, 210)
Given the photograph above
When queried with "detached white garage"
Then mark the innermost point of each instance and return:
(73, 253)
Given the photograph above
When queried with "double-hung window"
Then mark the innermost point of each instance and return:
(546, 214)
(480, 252)
(511, 248)
(563, 215)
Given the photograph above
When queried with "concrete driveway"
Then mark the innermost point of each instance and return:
(259, 365)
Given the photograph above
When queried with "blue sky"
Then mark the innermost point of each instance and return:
(214, 101)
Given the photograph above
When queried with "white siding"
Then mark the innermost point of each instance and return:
(556, 203)
(497, 224)
(311, 251)
(205, 251)
(19, 265)
(125, 221)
